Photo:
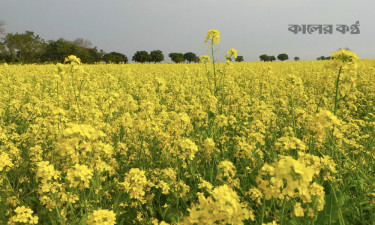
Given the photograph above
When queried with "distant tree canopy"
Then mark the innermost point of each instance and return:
(267, 58)
(156, 56)
(282, 57)
(190, 57)
(271, 58)
(263, 58)
(177, 57)
(141, 57)
(29, 47)
(239, 58)
(57, 51)
(26, 47)
(115, 57)
(323, 58)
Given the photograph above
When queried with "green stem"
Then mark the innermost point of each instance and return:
(337, 91)
(263, 209)
(282, 212)
(213, 64)
(341, 219)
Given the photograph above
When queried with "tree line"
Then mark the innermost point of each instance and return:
(29, 47)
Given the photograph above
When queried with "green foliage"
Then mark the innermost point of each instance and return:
(26, 47)
(239, 58)
(282, 57)
(177, 57)
(271, 58)
(263, 58)
(267, 58)
(57, 51)
(323, 58)
(296, 58)
(156, 56)
(190, 57)
(115, 57)
(141, 57)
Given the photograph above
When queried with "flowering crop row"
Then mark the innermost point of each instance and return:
(243, 143)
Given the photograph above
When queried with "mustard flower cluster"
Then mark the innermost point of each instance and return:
(24, 215)
(79, 176)
(223, 207)
(102, 217)
(213, 36)
(135, 184)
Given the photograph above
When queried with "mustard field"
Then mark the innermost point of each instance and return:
(207, 143)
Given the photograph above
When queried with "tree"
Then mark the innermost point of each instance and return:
(141, 57)
(156, 56)
(323, 58)
(57, 51)
(115, 57)
(26, 47)
(95, 55)
(271, 58)
(2, 53)
(296, 58)
(239, 58)
(263, 58)
(177, 57)
(190, 57)
(282, 57)
(197, 59)
(2, 29)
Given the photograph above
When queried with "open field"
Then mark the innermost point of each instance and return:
(248, 143)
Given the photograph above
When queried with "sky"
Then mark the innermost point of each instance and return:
(252, 27)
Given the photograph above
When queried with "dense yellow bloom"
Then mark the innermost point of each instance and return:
(298, 210)
(232, 52)
(102, 217)
(229, 170)
(23, 215)
(46, 171)
(213, 36)
(72, 59)
(187, 149)
(5, 162)
(135, 183)
(224, 207)
(205, 59)
(79, 174)
(345, 56)
(293, 179)
(67, 127)
(345, 60)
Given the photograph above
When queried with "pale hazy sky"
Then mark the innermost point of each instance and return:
(252, 27)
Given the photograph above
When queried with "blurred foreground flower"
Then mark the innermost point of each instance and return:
(72, 59)
(205, 59)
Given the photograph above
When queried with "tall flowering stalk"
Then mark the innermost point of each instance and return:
(213, 37)
(345, 61)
